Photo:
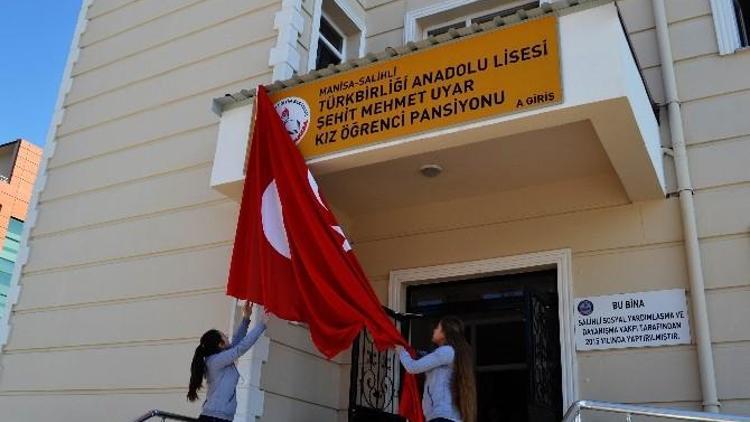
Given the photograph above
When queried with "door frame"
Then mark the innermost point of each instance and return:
(560, 259)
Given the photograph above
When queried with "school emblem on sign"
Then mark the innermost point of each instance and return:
(585, 307)
(295, 114)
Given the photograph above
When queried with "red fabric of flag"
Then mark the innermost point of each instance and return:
(291, 255)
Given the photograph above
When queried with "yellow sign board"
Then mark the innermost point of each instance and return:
(489, 74)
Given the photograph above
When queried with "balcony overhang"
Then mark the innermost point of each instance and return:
(601, 84)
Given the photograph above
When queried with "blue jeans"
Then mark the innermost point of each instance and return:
(440, 420)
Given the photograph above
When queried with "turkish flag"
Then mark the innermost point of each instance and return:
(291, 256)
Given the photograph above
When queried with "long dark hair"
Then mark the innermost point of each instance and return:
(210, 344)
(463, 385)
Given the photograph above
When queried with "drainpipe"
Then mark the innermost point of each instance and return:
(687, 207)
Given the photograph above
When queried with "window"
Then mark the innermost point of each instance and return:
(504, 12)
(484, 16)
(8, 256)
(331, 45)
(338, 34)
(732, 24)
(12, 240)
(443, 29)
(8, 157)
(15, 227)
(742, 13)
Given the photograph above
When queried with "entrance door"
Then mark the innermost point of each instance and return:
(513, 327)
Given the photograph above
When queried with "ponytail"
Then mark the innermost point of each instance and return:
(209, 345)
(197, 373)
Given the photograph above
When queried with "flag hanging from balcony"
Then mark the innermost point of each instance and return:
(291, 256)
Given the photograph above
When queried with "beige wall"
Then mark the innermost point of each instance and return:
(713, 90)
(618, 247)
(129, 254)
(130, 250)
(300, 384)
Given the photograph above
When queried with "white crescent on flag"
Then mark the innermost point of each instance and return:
(272, 218)
(314, 187)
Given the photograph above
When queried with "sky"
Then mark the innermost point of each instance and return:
(35, 38)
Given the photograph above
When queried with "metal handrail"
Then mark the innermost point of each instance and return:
(164, 416)
(629, 410)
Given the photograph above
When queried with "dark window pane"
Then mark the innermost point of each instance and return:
(6, 266)
(5, 279)
(502, 397)
(443, 29)
(330, 34)
(742, 9)
(15, 226)
(505, 12)
(11, 245)
(490, 289)
(501, 343)
(325, 56)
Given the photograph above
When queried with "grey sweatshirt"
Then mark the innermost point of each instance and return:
(222, 375)
(437, 401)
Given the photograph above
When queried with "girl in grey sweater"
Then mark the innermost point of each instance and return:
(214, 360)
(449, 389)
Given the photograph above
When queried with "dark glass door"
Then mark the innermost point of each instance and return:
(513, 327)
(543, 357)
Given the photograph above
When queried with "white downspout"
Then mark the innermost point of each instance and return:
(687, 206)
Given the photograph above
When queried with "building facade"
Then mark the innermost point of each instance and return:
(632, 178)
(19, 164)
